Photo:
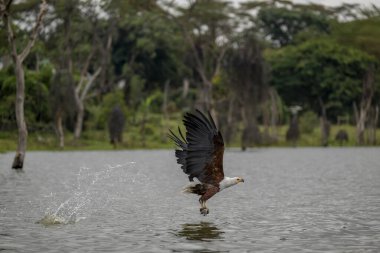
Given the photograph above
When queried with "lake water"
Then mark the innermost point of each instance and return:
(293, 200)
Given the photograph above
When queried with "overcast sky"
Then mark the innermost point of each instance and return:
(324, 2)
(339, 2)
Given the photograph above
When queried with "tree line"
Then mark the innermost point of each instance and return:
(72, 64)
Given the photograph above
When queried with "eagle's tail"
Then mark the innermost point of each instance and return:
(194, 188)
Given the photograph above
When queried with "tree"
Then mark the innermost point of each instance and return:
(80, 37)
(361, 114)
(63, 104)
(18, 59)
(362, 34)
(81, 92)
(246, 69)
(36, 89)
(148, 55)
(207, 28)
(327, 74)
(281, 21)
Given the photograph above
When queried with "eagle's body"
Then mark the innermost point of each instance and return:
(200, 155)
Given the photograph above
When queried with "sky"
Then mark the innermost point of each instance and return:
(339, 2)
(324, 2)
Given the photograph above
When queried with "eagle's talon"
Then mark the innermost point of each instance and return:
(204, 211)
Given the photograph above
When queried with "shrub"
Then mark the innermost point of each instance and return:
(308, 122)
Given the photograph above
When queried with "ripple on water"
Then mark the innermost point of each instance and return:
(293, 200)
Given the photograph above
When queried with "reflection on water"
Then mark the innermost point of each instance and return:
(203, 231)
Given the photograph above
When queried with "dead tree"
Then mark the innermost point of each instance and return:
(206, 52)
(62, 94)
(361, 113)
(248, 77)
(293, 133)
(271, 116)
(18, 59)
(81, 92)
(372, 125)
(325, 125)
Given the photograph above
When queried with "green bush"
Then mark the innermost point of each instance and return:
(109, 102)
(37, 109)
(308, 122)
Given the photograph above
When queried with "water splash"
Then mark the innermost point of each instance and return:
(94, 190)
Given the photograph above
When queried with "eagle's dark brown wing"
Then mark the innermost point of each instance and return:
(201, 152)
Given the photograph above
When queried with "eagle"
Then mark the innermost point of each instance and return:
(200, 154)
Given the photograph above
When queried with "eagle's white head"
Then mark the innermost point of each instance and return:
(230, 181)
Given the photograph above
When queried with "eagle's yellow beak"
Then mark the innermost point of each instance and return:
(240, 180)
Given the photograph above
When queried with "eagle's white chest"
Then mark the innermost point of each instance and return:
(227, 182)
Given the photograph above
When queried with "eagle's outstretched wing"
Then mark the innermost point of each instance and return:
(201, 152)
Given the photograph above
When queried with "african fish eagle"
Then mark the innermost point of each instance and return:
(200, 155)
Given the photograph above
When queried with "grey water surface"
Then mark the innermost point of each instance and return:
(293, 200)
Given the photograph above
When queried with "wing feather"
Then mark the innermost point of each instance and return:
(201, 152)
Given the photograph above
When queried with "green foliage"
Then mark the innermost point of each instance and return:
(37, 109)
(319, 69)
(109, 102)
(152, 103)
(7, 98)
(98, 139)
(149, 46)
(281, 25)
(62, 94)
(308, 122)
(135, 92)
(318, 57)
(363, 34)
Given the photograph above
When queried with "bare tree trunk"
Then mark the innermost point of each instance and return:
(293, 133)
(266, 116)
(266, 109)
(365, 104)
(18, 60)
(80, 97)
(360, 127)
(142, 129)
(18, 161)
(59, 129)
(251, 133)
(372, 125)
(205, 96)
(230, 120)
(207, 103)
(106, 59)
(274, 114)
(186, 85)
(79, 120)
(165, 110)
(165, 102)
(325, 126)
(356, 113)
(376, 120)
(324, 131)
